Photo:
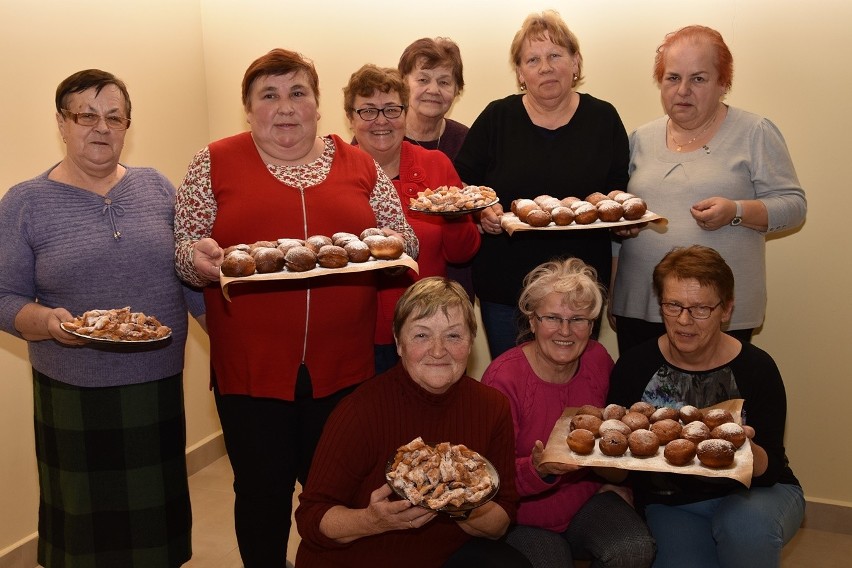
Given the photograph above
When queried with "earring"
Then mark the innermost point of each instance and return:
(576, 76)
(523, 86)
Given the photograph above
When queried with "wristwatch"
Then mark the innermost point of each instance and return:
(738, 217)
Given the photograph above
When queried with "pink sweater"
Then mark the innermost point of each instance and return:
(536, 405)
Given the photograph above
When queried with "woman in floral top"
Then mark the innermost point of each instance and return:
(283, 353)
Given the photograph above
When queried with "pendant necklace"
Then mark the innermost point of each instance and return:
(700, 134)
(441, 133)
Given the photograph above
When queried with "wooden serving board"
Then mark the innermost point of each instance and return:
(511, 223)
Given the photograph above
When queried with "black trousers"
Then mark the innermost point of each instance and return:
(270, 443)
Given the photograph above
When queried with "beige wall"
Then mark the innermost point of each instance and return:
(183, 61)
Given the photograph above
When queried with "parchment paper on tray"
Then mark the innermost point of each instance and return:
(511, 223)
(557, 451)
(404, 260)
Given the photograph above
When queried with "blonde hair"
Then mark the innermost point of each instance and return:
(548, 24)
(425, 297)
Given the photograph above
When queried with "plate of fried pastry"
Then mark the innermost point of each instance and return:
(118, 325)
(447, 478)
(451, 200)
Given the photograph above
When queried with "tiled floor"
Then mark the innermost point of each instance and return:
(215, 545)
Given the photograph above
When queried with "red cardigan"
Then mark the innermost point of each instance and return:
(442, 240)
(258, 340)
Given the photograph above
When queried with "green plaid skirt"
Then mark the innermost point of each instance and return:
(112, 475)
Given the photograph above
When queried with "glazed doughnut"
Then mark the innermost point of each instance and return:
(679, 452)
(370, 232)
(268, 260)
(585, 214)
(586, 422)
(316, 242)
(730, 431)
(695, 431)
(384, 247)
(300, 259)
(332, 256)
(238, 263)
(643, 407)
(716, 417)
(643, 443)
(614, 424)
(666, 430)
(715, 453)
(664, 412)
(634, 208)
(590, 409)
(562, 215)
(614, 411)
(593, 198)
(357, 250)
(242, 246)
(609, 210)
(613, 443)
(689, 414)
(581, 441)
(636, 420)
(538, 218)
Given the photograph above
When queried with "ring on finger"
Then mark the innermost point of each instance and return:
(410, 524)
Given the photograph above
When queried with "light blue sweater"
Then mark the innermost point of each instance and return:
(58, 246)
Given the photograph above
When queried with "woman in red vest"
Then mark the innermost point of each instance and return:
(283, 353)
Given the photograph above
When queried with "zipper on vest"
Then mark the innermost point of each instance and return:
(308, 294)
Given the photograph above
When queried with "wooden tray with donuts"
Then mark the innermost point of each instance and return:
(596, 211)
(709, 441)
(318, 255)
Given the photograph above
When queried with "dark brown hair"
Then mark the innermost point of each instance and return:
(279, 62)
(88, 79)
(704, 264)
(434, 53)
(369, 79)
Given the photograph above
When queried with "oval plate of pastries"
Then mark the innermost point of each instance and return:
(447, 478)
(118, 325)
(318, 255)
(597, 211)
(451, 200)
(709, 441)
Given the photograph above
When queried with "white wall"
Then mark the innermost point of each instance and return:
(183, 61)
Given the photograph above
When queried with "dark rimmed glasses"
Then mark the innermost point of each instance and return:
(575, 324)
(91, 119)
(369, 114)
(673, 310)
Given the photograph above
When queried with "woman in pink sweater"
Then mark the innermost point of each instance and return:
(565, 511)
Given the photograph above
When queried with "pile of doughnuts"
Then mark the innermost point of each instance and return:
(301, 255)
(711, 435)
(447, 199)
(546, 210)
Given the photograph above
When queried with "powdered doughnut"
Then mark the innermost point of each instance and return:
(550, 204)
(716, 417)
(268, 260)
(664, 412)
(613, 443)
(585, 214)
(695, 431)
(358, 251)
(614, 411)
(689, 414)
(262, 244)
(538, 218)
(636, 420)
(581, 441)
(634, 208)
(562, 215)
(370, 232)
(643, 443)
(614, 424)
(300, 259)
(613, 193)
(316, 242)
(622, 196)
(342, 238)
(609, 210)
(567, 201)
(666, 430)
(679, 452)
(590, 409)
(586, 422)
(332, 256)
(643, 407)
(384, 247)
(286, 244)
(716, 453)
(593, 198)
(730, 431)
(242, 246)
(238, 263)
(523, 202)
(538, 200)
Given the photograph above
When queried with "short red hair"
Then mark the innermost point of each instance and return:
(697, 34)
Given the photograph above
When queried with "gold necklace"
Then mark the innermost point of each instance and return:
(438, 145)
(700, 134)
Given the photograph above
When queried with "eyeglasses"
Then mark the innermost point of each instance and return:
(91, 119)
(370, 114)
(674, 310)
(575, 324)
